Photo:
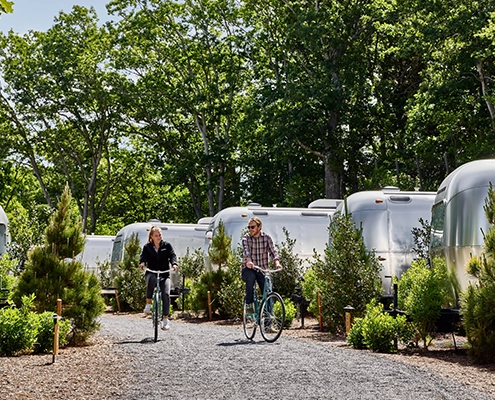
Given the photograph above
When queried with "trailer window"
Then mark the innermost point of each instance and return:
(437, 223)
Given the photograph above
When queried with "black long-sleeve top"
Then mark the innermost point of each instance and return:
(160, 260)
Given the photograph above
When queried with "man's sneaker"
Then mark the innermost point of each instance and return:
(250, 308)
(147, 309)
(165, 324)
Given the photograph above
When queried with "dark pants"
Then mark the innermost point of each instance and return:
(164, 287)
(250, 276)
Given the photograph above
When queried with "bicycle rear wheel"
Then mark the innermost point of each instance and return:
(156, 314)
(272, 317)
(249, 323)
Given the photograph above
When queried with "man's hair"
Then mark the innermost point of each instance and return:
(257, 221)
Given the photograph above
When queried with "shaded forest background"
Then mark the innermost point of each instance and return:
(176, 110)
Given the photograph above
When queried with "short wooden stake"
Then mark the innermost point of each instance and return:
(117, 300)
(209, 305)
(320, 312)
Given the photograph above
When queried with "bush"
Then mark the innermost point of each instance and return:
(287, 280)
(232, 291)
(44, 340)
(290, 313)
(422, 292)
(310, 291)
(478, 303)
(377, 331)
(355, 337)
(211, 281)
(18, 328)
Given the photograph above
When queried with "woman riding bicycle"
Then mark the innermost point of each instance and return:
(158, 255)
(257, 246)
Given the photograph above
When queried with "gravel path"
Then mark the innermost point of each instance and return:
(204, 361)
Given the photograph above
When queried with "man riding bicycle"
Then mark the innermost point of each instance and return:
(257, 247)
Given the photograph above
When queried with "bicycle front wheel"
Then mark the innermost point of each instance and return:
(156, 314)
(249, 323)
(272, 317)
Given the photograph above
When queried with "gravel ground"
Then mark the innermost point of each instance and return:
(213, 361)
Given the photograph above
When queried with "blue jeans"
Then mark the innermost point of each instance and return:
(250, 276)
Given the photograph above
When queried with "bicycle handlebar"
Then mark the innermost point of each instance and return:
(269, 271)
(157, 272)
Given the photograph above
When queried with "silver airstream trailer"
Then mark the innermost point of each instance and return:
(97, 250)
(181, 236)
(307, 226)
(4, 231)
(387, 218)
(458, 217)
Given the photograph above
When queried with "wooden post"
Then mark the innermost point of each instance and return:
(209, 305)
(117, 300)
(320, 311)
(348, 318)
(56, 329)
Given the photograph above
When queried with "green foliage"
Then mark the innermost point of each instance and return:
(104, 272)
(231, 294)
(27, 229)
(221, 247)
(130, 281)
(44, 340)
(286, 281)
(52, 274)
(310, 290)
(421, 237)
(290, 313)
(192, 265)
(377, 331)
(355, 337)
(18, 328)
(7, 267)
(478, 302)
(422, 293)
(24, 331)
(348, 275)
(211, 281)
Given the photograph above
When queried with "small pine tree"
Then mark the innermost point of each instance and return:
(130, 282)
(221, 247)
(52, 273)
(348, 275)
(478, 303)
(287, 280)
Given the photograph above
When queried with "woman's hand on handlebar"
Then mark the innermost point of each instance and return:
(142, 266)
(175, 267)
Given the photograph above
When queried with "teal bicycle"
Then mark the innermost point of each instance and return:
(269, 312)
(157, 303)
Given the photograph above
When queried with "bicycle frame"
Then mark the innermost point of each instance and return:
(269, 312)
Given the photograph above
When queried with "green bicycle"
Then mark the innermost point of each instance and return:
(269, 312)
(157, 303)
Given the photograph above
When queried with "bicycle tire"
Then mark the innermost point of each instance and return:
(272, 317)
(249, 323)
(156, 315)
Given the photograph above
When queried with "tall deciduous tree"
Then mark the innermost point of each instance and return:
(312, 65)
(59, 100)
(185, 74)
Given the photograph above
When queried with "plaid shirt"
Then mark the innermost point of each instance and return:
(258, 249)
